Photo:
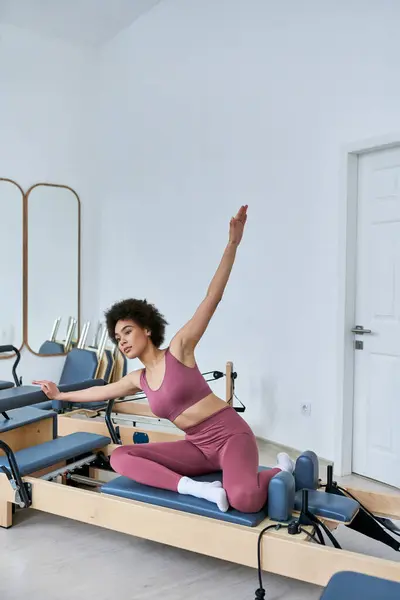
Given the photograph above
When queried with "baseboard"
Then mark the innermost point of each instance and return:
(294, 452)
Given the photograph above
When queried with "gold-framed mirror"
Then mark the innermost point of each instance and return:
(11, 265)
(53, 249)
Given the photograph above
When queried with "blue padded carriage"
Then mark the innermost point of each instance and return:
(357, 586)
(281, 499)
(28, 395)
(17, 411)
(281, 493)
(6, 385)
(36, 458)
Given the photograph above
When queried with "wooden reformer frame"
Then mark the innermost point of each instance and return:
(294, 556)
(281, 553)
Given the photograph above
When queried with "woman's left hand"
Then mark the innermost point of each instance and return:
(236, 226)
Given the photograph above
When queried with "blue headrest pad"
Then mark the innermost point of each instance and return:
(49, 453)
(23, 416)
(79, 365)
(27, 395)
(307, 471)
(281, 492)
(353, 586)
(329, 506)
(49, 347)
(127, 488)
(6, 385)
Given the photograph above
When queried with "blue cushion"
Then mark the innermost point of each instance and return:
(23, 416)
(329, 506)
(17, 397)
(127, 488)
(79, 365)
(307, 471)
(49, 453)
(49, 347)
(357, 586)
(48, 405)
(6, 385)
(281, 492)
(27, 395)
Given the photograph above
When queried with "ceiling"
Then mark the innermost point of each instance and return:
(90, 22)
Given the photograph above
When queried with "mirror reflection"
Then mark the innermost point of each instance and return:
(53, 232)
(11, 265)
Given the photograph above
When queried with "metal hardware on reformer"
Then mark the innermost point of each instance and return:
(89, 481)
(22, 490)
(69, 468)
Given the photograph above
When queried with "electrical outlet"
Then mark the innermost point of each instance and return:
(305, 409)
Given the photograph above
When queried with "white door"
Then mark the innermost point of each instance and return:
(376, 428)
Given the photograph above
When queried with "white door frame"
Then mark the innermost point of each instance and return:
(347, 253)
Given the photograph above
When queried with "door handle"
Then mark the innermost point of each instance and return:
(359, 329)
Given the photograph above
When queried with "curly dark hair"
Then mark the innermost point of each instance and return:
(143, 313)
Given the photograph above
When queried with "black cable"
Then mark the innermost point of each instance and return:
(260, 593)
(294, 528)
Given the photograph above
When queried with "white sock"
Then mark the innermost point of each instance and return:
(285, 463)
(211, 491)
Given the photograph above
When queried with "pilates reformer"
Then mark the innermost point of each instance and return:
(51, 473)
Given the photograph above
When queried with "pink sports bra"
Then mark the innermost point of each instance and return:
(181, 388)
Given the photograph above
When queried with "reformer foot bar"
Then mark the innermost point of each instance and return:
(279, 539)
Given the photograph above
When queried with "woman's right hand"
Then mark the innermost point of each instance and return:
(49, 388)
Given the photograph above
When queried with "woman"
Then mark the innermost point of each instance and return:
(216, 437)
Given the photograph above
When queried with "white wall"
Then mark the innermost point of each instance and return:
(199, 107)
(208, 105)
(47, 107)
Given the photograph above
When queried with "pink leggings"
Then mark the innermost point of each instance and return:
(223, 441)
